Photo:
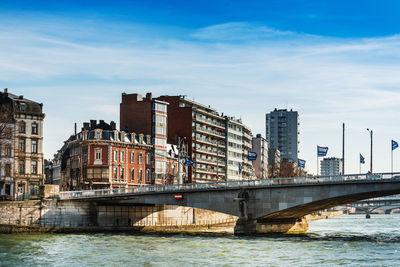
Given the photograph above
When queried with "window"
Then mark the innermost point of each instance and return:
(34, 167)
(21, 167)
(147, 158)
(34, 146)
(121, 173)
(97, 154)
(140, 158)
(115, 172)
(148, 176)
(122, 156)
(173, 169)
(34, 128)
(22, 145)
(20, 188)
(132, 157)
(115, 155)
(8, 169)
(98, 136)
(132, 174)
(22, 127)
(140, 178)
(22, 107)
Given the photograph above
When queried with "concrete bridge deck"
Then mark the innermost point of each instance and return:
(258, 203)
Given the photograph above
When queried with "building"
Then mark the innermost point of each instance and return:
(239, 145)
(21, 145)
(282, 131)
(260, 165)
(148, 116)
(101, 157)
(274, 163)
(217, 144)
(331, 166)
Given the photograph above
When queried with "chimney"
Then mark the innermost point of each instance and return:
(93, 124)
(258, 135)
(112, 124)
(21, 97)
(75, 129)
(85, 126)
(149, 96)
(5, 90)
(141, 138)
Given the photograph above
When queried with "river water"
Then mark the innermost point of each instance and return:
(348, 240)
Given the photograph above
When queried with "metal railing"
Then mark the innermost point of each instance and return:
(229, 184)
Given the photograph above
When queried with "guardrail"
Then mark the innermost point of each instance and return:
(230, 184)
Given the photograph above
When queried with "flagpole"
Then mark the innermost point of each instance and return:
(360, 162)
(391, 149)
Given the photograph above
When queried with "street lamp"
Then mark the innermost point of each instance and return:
(180, 141)
(370, 131)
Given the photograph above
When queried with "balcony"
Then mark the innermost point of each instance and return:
(200, 159)
(209, 141)
(209, 122)
(210, 132)
(210, 151)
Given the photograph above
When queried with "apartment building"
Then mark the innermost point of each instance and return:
(282, 131)
(260, 165)
(22, 146)
(101, 157)
(148, 116)
(331, 166)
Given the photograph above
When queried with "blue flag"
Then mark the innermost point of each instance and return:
(251, 156)
(301, 163)
(394, 145)
(189, 162)
(322, 151)
(240, 168)
(362, 159)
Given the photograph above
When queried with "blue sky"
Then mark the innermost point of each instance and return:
(333, 61)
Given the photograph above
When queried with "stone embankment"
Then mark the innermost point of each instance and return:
(72, 216)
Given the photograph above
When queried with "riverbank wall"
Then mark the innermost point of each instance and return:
(75, 216)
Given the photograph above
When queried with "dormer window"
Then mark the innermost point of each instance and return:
(98, 137)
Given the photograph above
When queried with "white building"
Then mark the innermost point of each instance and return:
(260, 165)
(331, 166)
(238, 145)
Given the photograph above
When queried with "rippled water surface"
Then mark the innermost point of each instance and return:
(347, 240)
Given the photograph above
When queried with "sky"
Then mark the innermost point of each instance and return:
(332, 61)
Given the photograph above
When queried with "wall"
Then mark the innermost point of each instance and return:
(72, 214)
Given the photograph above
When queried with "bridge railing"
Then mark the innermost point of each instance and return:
(229, 184)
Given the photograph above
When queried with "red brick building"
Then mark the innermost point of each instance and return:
(148, 116)
(101, 157)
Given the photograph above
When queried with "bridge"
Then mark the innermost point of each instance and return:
(387, 204)
(261, 205)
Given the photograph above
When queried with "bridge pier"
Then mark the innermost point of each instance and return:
(269, 226)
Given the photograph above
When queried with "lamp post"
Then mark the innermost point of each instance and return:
(370, 132)
(180, 141)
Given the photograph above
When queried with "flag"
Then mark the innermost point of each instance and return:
(251, 156)
(362, 159)
(322, 151)
(240, 168)
(394, 145)
(189, 162)
(301, 163)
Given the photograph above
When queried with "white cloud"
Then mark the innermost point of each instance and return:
(327, 80)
